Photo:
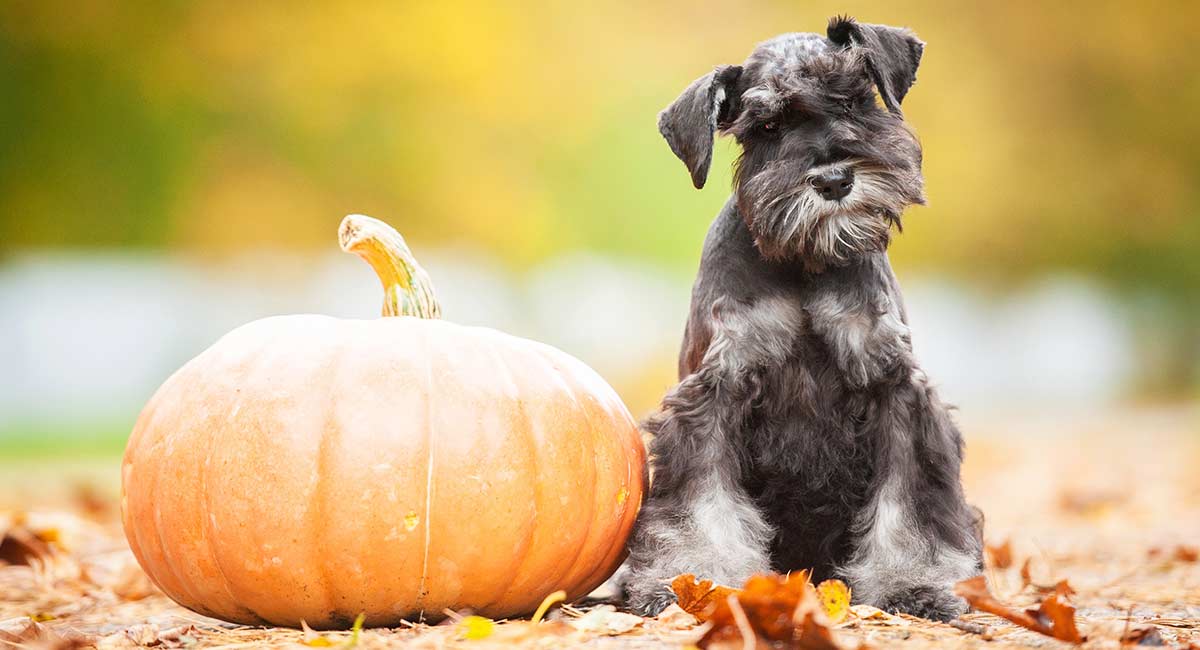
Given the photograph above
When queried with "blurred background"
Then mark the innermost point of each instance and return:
(170, 170)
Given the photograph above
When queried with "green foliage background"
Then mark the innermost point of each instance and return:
(1059, 135)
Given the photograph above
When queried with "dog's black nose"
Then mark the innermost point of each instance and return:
(834, 185)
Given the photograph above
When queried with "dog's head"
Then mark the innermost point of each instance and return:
(825, 171)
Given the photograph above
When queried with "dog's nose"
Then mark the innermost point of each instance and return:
(833, 185)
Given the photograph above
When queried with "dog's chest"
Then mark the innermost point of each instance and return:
(811, 460)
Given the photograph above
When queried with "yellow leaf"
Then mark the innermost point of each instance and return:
(475, 627)
(312, 638)
(835, 600)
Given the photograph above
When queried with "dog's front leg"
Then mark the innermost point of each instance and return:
(917, 537)
(698, 518)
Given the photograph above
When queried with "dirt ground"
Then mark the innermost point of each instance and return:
(1109, 503)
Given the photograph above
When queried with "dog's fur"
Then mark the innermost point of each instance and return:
(803, 434)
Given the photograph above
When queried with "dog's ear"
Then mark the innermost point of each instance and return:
(893, 55)
(690, 122)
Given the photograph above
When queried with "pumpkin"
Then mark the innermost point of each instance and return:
(312, 468)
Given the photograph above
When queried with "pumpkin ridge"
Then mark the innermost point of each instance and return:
(533, 451)
(421, 592)
(320, 496)
(207, 531)
(180, 584)
(137, 441)
(566, 382)
(613, 557)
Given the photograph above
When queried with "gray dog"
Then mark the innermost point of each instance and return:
(803, 434)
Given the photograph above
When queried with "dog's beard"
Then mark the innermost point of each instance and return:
(789, 220)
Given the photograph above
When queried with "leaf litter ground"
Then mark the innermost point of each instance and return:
(1092, 531)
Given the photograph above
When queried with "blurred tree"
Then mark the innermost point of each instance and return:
(1059, 136)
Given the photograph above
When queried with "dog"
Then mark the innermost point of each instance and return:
(803, 434)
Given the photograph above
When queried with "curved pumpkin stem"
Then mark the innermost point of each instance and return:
(407, 290)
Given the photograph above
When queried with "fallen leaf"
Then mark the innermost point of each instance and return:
(1090, 503)
(698, 597)
(475, 627)
(178, 637)
(1126, 633)
(1000, 556)
(313, 638)
(133, 583)
(1054, 618)
(1060, 587)
(835, 600)
(1143, 635)
(771, 610)
(1187, 553)
(89, 501)
(21, 546)
(605, 619)
(876, 615)
(31, 634)
(675, 618)
(1057, 613)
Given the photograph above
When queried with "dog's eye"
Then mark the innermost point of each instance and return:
(770, 127)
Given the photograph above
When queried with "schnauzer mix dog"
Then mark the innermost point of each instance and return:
(803, 434)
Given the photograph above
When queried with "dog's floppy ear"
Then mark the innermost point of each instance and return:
(690, 122)
(893, 55)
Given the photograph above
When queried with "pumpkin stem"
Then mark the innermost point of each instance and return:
(407, 290)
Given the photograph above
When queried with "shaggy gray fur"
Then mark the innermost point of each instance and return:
(803, 434)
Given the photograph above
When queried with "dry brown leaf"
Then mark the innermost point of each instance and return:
(21, 546)
(34, 635)
(1055, 618)
(1057, 613)
(178, 637)
(1126, 633)
(698, 597)
(133, 583)
(835, 600)
(89, 501)
(675, 618)
(775, 610)
(876, 615)
(1181, 553)
(1061, 587)
(1090, 503)
(1000, 556)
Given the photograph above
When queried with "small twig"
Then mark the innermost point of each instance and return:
(1128, 618)
(749, 640)
(970, 626)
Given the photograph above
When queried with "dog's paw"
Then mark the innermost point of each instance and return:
(651, 603)
(933, 603)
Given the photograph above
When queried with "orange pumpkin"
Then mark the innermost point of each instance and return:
(311, 468)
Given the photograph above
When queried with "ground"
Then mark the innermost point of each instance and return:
(1108, 502)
